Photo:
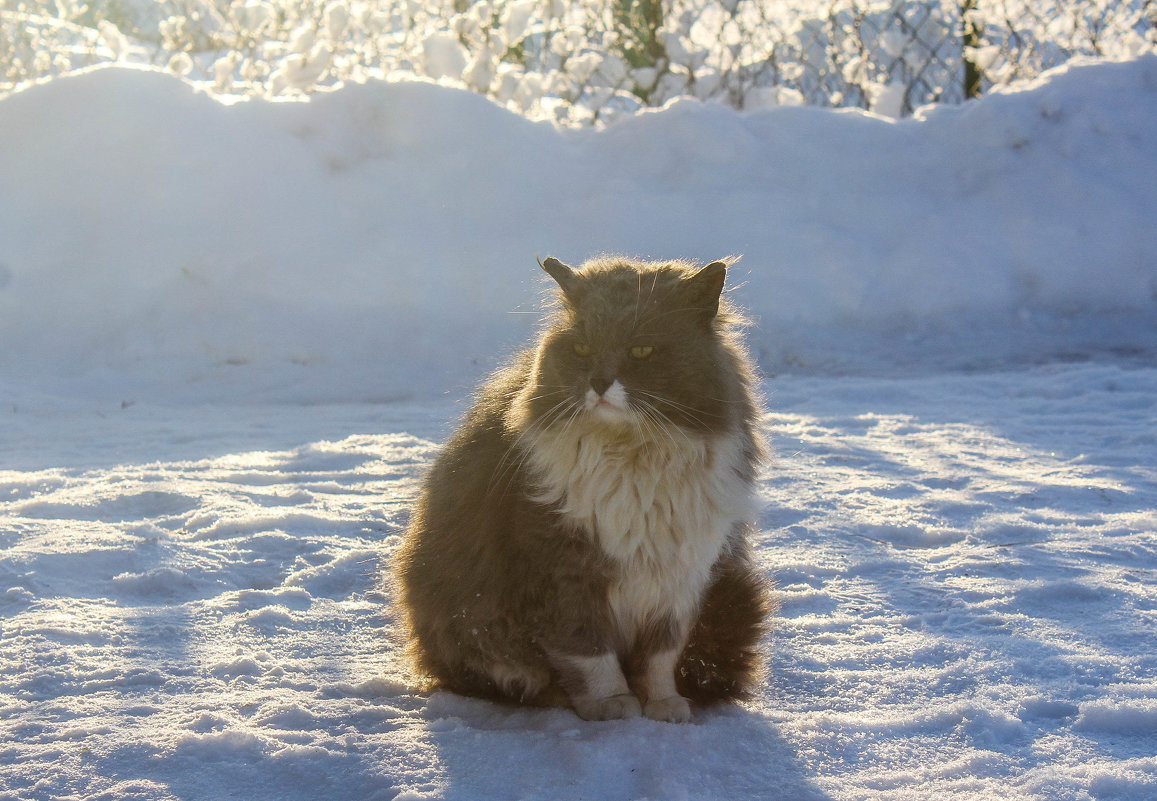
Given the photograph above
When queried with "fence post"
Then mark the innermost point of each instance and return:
(971, 37)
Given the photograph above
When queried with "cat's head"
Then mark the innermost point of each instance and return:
(644, 345)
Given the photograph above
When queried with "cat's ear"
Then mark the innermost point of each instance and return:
(705, 287)
(564, 275)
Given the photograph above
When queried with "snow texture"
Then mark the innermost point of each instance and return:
(234, 335)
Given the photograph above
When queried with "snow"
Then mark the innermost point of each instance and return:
(233, 336)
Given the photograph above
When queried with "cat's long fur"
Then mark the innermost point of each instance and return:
(581, 539)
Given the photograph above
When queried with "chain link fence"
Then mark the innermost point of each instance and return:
(902, 54)
(584, 61)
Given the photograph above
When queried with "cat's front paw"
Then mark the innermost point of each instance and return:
(616, 707)
(674, 709)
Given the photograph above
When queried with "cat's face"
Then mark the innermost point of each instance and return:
(635, 345)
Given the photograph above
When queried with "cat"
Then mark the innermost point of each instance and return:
(582, 540)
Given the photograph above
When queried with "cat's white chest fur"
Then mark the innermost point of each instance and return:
(661, 507)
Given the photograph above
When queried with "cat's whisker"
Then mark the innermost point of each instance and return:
(727, 401)
(512, 468)
(670, 425)
(570, 421)
(505, 466)
(644, 429)
(689, 412)
(664, 421)
(545, 395)
(659, 423)
(656, 431)
(556, 389)
(639, 301)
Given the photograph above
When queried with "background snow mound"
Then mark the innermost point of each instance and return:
(379, 241)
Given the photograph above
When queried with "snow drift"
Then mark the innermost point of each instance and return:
(379, 241)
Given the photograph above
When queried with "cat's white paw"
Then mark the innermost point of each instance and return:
(673, 709)
(616, 707)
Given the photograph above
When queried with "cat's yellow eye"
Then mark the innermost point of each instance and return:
(642, 351)
(582, 349)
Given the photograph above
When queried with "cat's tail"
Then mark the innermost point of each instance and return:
(722, 660)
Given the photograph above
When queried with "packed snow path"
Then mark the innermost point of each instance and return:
(967, 566)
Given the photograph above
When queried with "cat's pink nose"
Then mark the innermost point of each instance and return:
(600, 384)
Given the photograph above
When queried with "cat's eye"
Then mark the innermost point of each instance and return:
(582, 348)
(642, 351)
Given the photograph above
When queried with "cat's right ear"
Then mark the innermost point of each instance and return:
(564, 275)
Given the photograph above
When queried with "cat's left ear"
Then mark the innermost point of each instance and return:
(705, 287)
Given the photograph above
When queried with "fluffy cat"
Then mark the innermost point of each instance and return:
(581, 539)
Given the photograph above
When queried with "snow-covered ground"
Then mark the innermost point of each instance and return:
(233, 335)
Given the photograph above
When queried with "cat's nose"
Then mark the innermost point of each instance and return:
(600, 384)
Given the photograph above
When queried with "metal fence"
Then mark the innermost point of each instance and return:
(597, 55)
(901, 54)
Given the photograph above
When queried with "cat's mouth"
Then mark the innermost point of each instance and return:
(610, 404)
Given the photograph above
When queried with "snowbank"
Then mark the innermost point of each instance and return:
(379, 241)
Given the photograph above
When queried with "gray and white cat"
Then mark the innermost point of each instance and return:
(581, 540)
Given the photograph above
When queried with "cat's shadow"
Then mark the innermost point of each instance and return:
(495, 751)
